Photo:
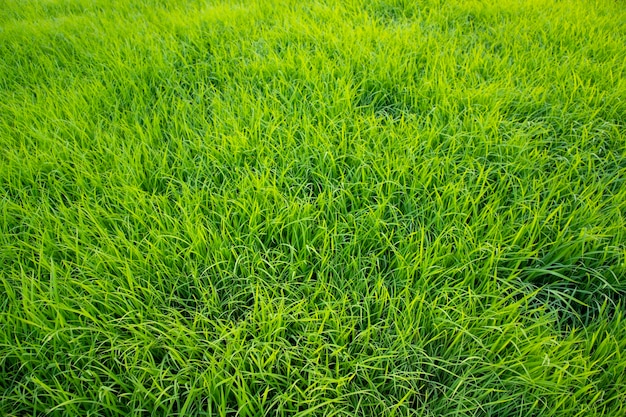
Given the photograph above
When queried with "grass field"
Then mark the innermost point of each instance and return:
(312, 208)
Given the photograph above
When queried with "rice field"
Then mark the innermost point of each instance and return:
(312, 208)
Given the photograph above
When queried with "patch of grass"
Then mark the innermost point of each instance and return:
(312, 208)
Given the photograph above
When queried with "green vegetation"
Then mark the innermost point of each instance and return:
(312, 208)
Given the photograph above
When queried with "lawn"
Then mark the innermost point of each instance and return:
(312, 208)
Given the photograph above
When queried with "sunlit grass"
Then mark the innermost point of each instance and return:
(381, 208)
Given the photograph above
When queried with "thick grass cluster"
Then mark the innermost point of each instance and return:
(312, 208)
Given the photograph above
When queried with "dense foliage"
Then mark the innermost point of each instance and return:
(276, 208)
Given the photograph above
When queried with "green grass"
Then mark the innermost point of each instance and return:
(307, 208)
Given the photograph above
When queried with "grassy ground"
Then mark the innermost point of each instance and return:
(276, 208)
